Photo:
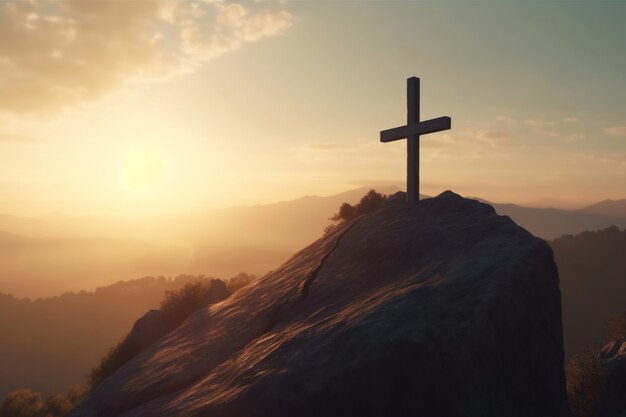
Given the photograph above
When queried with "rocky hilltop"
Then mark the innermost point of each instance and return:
(442, 309)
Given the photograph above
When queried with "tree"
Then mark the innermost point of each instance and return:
(112, 361)
(57, 406)
(179, 304)
(586, 384)
(26, 403)
(176, 306)
(369, 203)
(347, 212)
(239, 281)
(22, 403)
(76, 394)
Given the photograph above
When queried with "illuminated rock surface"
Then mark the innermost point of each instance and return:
(442, 309)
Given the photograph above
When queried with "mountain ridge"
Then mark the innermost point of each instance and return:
(416, 298)
(49, 344)
(254, 238)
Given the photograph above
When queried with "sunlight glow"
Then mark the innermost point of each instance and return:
(143, 170)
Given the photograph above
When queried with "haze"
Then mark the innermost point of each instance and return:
(129, 130)
(161, 106)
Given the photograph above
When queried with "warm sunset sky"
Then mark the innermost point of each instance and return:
(152, 106)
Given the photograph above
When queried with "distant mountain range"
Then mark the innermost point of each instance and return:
(550, 223)
(50, 344)
(614, 208)
(46, 266)
(55, 341)
(52, 254)
(592, 268)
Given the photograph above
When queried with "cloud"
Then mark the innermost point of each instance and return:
(616, 158)
(507, 120)
(495, 139)
(487, 134)
(574, 137)
(571, 119)
(542, 126)
(616, 130)
(455, 145)
(58, 53)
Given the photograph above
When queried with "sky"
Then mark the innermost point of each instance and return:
(131, 107)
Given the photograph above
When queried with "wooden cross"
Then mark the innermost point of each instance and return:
(411, 132)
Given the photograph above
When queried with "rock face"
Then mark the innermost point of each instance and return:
(442, 309)
(614, 353)
(147, 329)
(613, 358)
(153, 325)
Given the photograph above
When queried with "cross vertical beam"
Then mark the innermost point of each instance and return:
(412, 143)
(411, 132)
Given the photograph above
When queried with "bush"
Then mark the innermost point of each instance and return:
(179, 304)
(586, 384)
(369, 203)
(176, 306)
(112, 361)
(22, 403)
(58, 406)
(26, 403)
(239, 281)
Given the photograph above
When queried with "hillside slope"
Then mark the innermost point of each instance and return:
(50, 344)
(615, 208)
(550, 223)
(592, 266)
(440, 309)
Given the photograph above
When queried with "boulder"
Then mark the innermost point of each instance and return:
(439, 309)
(147, 330)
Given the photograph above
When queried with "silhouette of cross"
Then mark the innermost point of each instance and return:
(411, 132)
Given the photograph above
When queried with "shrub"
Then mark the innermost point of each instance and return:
(112, 361)
(586, 384)
(58, 406)
(346, 213)
(239, 281)
(369, 203)
(176, 306)
(179, 304)
(76, 394)
(22, 403)
(26, 403)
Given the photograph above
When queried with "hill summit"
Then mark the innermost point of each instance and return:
(444, 308)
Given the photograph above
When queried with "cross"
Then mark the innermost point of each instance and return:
(411, 132)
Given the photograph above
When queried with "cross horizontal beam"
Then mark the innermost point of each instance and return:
(421, 128)
(433, 125)
(396, 133)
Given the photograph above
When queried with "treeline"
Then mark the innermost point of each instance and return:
(592, 270)
(26, 403)
(176, 305)
(48, 344)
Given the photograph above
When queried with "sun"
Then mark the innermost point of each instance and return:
(143, 169)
